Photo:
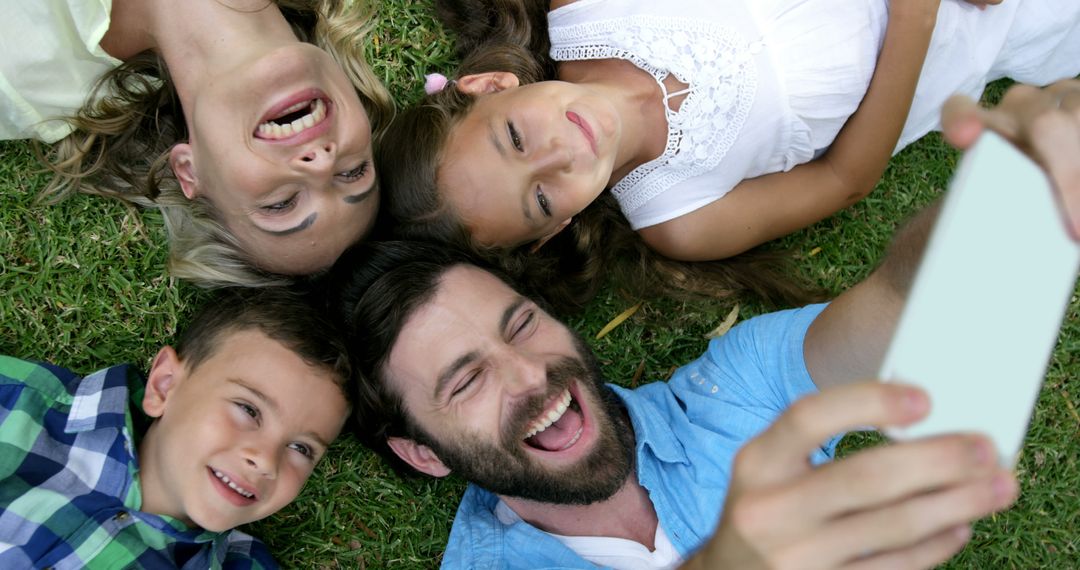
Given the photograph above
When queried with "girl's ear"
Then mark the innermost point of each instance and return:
(540, 242)
(182, 161)
(489, 82)
(420, 457)
(166, 372)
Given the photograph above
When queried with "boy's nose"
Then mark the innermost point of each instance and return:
(262, 460)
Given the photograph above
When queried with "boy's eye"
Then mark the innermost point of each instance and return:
(282, 206)
(515, 136)
(355, 174)
(303, 449)
(248, 409)
(542, 202)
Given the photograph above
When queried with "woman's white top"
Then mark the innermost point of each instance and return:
(51, 60)
(771, 82)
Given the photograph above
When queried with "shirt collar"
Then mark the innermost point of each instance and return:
(652, 427)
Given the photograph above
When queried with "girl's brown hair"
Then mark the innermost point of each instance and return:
(120, 146)
(598, 244)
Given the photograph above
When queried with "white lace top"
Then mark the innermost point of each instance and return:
(771, 82)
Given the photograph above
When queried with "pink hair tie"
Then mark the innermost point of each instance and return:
(434, 83)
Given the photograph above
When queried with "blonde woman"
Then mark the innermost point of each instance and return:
(255, 143)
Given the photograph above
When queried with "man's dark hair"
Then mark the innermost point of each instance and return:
(373, 289)
(285, 316)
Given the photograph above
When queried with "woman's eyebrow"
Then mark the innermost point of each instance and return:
(357, 198)
(302, 226)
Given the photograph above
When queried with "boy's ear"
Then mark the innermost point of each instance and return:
(166, 372)
(540, 242)
(420, 457)
(182, 161)
(489, 82)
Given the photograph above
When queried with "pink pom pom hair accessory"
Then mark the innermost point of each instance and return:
(435, 82)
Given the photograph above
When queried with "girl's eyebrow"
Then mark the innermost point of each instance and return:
(494, 137)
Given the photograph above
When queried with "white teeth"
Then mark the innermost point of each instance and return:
(274, 131)
(225, 479)
(552, 416)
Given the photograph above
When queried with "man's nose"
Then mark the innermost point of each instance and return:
(317, 160)
(526, 374)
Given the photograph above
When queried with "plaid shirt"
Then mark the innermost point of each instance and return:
(69, 486)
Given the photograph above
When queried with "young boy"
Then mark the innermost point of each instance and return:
(231, 423)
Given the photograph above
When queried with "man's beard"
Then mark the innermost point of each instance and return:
(505, 468)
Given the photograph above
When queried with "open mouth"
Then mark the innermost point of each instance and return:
(559, 428)
(293, 120)
(241, 492)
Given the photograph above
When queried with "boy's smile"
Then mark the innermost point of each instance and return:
(236, 438)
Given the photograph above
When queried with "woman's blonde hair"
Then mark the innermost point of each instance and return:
(132, 118)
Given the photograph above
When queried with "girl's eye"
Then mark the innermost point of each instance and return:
(282, 206)
(542, 201)
(303, 449)
(515, 136)
(248, 409)
(354, 174)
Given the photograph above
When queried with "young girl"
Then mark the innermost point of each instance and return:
(255, 144)
(717, 126)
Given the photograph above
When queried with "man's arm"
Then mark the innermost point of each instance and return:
(847, 342)
(903, 506)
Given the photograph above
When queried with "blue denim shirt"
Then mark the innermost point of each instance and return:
(687, 431)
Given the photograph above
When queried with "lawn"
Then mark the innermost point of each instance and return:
(82, 284)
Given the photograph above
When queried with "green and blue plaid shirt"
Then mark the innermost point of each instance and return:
(69, 486)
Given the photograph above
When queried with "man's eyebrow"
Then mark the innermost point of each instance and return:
(302, 226)
(509, 313)
(270, 402)
(448, 373)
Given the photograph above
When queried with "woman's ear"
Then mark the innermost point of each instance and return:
(182, 161)
(419, 456)
(489, 82)
(166, 372)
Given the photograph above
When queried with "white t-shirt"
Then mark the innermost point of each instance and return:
(51, 59)
(618, 553)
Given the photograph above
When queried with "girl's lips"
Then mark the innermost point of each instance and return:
(586, 130)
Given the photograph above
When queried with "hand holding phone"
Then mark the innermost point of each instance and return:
(984, 310)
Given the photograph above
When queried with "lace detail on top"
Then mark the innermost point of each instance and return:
(714, 61)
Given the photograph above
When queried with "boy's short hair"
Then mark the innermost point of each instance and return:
(283, 315)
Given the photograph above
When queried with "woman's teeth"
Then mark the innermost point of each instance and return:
(225, 479)
(551, 417)
(273, 131)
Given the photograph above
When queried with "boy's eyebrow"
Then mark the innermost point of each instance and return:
(270, 403)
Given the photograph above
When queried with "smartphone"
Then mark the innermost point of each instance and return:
(983, 314)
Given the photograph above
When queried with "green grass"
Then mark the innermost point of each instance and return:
(82, 284)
